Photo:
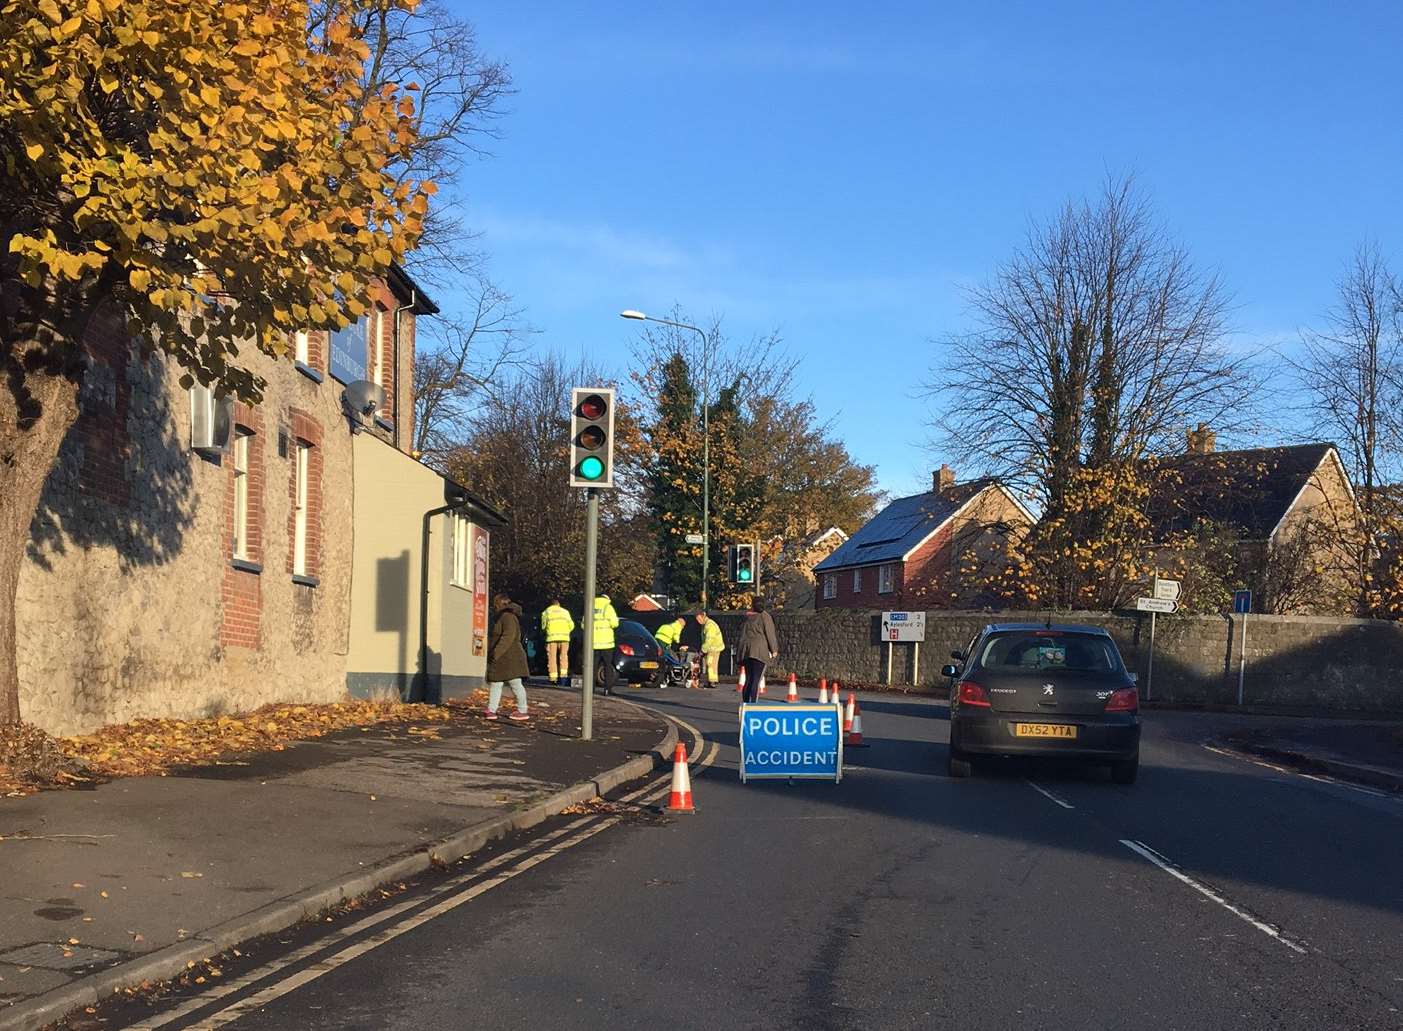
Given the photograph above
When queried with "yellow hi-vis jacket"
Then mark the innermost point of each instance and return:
(711, 637)
(670, 633)
(605, 620)
(557, 623)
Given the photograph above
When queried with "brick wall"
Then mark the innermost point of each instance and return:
(103, 410)
(1293, 662)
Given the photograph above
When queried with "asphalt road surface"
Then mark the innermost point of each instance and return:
(1214, 893)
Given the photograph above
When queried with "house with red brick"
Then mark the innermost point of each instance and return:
(191, 555)
(925, 550)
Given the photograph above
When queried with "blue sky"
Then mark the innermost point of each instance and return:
(840, 171)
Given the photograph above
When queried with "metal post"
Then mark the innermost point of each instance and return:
(916, 664)
(1150, 669)
(1242, 660)
(891, 660)
(706, 465)
(591, 553)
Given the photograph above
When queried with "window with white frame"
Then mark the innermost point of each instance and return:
(886, 579)
(462, 552)
(241, 446)
(299, 501)
(830, 585)
(857, 581)
(301, 347)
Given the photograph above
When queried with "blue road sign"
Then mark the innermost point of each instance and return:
(790, 741)
(1242, 601)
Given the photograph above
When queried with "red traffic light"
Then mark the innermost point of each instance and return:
(593, 407)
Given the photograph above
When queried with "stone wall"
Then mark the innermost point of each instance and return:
(1296, 662)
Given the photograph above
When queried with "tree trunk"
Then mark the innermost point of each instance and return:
(37, 408)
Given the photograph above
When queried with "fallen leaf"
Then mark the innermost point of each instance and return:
(72, 941)
(190, 873)
(103, 894)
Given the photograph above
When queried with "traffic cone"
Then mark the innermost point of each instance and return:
(762, 685)
(835, 700)
(793, 688)
(822, 690)
(855, 735)
(681, 799)
(740, 683)
(848, 714)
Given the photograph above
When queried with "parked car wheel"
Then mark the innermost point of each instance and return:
(958, 765)
(1126, 771)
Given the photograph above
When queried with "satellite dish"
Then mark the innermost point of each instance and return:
(364, 397)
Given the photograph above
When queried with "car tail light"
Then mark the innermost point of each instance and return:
(1127, 699)
(626, 649)
(972, 694)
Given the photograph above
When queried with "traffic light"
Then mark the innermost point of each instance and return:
(592, 437)
(745, 565)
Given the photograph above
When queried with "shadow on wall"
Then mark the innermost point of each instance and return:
(124, 478)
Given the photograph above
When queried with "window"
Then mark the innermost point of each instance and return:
(241, 444)
(857, 581)
(299, 507)
(886, 579)
(830, 585)
(462, 553)
(301, 350)
(1044, 650)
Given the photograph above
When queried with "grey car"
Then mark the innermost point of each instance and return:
(1047, 690)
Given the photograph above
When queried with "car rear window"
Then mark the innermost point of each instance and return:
(1049, 650)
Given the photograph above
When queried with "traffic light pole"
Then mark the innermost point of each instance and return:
(587, 617)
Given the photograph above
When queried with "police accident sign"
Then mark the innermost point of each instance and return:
(791, 741)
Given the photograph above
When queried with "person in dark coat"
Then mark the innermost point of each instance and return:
(758, 647)
(506, 658)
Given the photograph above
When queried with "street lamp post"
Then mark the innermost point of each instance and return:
(706, 437)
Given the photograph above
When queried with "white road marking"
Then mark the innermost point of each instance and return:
(1319, 779)
(576, 830)
(1043, 791)
(1168, 867)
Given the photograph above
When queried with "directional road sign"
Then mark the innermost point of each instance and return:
(903, 626)
(693, 538)
(1156, 605)
(1166, 590)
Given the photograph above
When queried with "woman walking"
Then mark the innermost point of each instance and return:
(758, 647)
(506, 659)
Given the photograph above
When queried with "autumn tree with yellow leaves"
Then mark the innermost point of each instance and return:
(212, 173)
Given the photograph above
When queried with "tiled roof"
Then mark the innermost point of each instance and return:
(899, 527)
(1248, 490)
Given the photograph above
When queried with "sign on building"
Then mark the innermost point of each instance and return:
(348, 352)
(481, 550)
(903, 626)
(790, 742)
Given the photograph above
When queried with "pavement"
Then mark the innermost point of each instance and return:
(1214, 892)
(134, 879)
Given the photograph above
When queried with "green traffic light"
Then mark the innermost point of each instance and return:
(743, 576)
(591, 468)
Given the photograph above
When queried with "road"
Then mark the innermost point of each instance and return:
(1213, 893)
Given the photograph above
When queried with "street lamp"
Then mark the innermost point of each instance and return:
(706, 435)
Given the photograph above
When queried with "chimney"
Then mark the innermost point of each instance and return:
(943, 479)
(1201, 441)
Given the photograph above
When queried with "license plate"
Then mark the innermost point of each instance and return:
(1044, 730)
(647, 665)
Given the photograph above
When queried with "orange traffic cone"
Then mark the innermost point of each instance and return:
(681, 799)
(793, 688)
(822, 690)
(762, 685)
(740, 683)
(848, 714)
(835, 700)
(855, 734)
